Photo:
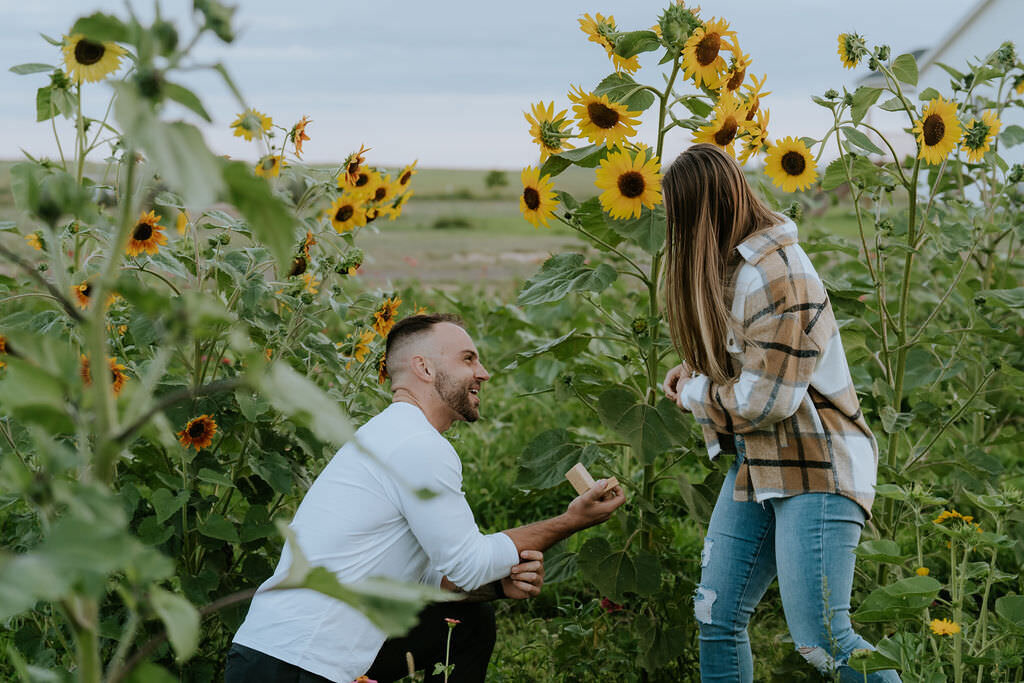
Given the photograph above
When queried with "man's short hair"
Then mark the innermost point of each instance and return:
(412, 326)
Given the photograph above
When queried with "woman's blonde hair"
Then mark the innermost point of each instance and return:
(710, 210)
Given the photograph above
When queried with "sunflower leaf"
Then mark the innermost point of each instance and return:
(895, 104)
(592, 219)
(634, 42)
(647, 231)
(101, 27)
(30, 68)
(904, 68)
(863, 98)
(587, 157)
(554, 165)
(928, 94)
(267, 215)
(623, 89)
(562, 274)
(860, 140)
(1012, 136)
(186, 97)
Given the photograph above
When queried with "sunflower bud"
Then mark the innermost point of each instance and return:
(873, 64)
(1005, 57)
(677, 23)
(352, 259)
(639, 326)
(968, 80)
(224, 238)
(884, 225)
(218, 18)
(212, 242)
(883, 53)
(43, 266)
(166, 37)
(847, 100)
(979, 301)
(59, 80)
(1015, 175)
(831, 94)
(306, 298)
(795, 211)
(149, 82)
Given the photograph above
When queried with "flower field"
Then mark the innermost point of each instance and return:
(237, 313)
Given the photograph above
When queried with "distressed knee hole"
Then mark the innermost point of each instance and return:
(818, 658)
(705, 554)
(702, 603)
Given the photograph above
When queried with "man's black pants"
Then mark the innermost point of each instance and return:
(471, 646)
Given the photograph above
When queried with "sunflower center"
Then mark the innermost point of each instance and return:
(298, 266)
(532, 198)
(197, 429)
(353, 167)
(737, 80)
(727, 133)
(344, 213)
(404, 178)
(602, 115)
(142, 232)
(934, 130)
(708, 48)
(86, 290)
(372, 215)
(793, 163)
(87, 52)
(380, 194)
(753, 109)
(362, 179)
(631, 184)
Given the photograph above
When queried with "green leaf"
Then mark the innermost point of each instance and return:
(904, 68)
(904, 599)
(863, 98)
(587, 157)
(867, 661)
(302, 400)
(860, 140)
(392, 606)
(894, 422)
(1012, 135)
(1011, 608)
(697, 106)
(647, 231)
(634, 42)
(30, 393)
(181, 619)
(252, 405)
(951, 71)
(613, 572)
(895, 104)
(148, 672)
(166, 503)
(268, 216)
(551, 454)
(101, 28)
(882, 550)
(562, 274)
(620, 87)
(185, 97)
(568, 339)
(219, 527)
(593, 219)
(214, 477)
(640, 424)
(928, 94)
(554, 165)
(30, 68)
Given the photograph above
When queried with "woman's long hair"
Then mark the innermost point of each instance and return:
(710, 210)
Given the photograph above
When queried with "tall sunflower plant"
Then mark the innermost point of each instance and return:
(931, 323)
(615, 364)
(182, 337)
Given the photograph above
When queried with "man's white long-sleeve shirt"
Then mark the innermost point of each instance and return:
(359, 520)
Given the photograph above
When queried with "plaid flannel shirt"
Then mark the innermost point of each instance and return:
(793, 409)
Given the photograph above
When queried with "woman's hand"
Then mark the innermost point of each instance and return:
(675, 380)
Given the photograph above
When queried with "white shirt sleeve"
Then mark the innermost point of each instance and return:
(444, 524)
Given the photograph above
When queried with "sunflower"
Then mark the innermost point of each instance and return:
(33, 241)
(346, 212)
(353, 163)
(702, 58)
(310, 283)
(944, 627)
(198, 433)
(359, 347)
(298, 267)
(851, 49)
(251, 122)
(537, 203)
(298, 134)
(147, 235)
(307, 242)
(629, 183)
(384, 190)
(790, 165)
(1018, 85)
(979, 136)
(90, 61)
(756, 140)
(382, 368)
(364, 181)
(384, 316)
(270, 166)
(117, 377)
(602, 120)
(82, 293)
(730, 120)
(406, 175)
(752, 96)
(737, 72)
(3, 350)
(938, 130)
(395, 210)
(549, 130)
(181, 222)
(601, 30)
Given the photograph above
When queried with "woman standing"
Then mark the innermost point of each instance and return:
(766, 378)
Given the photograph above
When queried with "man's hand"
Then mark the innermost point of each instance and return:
(672, 386)
(526, 578)
(596, 505)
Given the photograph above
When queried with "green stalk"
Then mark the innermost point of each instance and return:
(87, 650)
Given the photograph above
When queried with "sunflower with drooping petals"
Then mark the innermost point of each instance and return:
(629, 183)
(938, 130)
(753, 94)
(756, 140)
(353, 163)
(251, 122)
(357, 348)
(549, 130)
(395, 210)
(346, 212)
(117, 376)
(384, 316)
(310, 283)
(82, 293)
(269, 166)
(181, 223)
(600, 30)
(979, 136)
(790, 165)
(298, 134)
(537, 202)
(851, 49)
(729, 122)
(33, 241)
(601, 120)
(737, 71)
(89, 60)
(307, 242)
(198, 432)
(702, 55)
(382, 368)
(147, 235)
(406, 175)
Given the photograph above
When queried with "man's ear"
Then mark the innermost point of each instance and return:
(422, 368)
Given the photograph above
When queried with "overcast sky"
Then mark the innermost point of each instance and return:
(446, 82)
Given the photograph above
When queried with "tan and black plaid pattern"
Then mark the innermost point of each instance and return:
(793, 409)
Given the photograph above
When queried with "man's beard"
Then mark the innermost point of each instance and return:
(456, 396)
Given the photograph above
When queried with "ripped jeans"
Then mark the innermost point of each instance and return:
(807, 541)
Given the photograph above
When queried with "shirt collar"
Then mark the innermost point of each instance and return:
(761, 243)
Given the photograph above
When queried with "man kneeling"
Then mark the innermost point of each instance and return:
(363, 518)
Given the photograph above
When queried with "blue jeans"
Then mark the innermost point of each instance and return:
(807, 541)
